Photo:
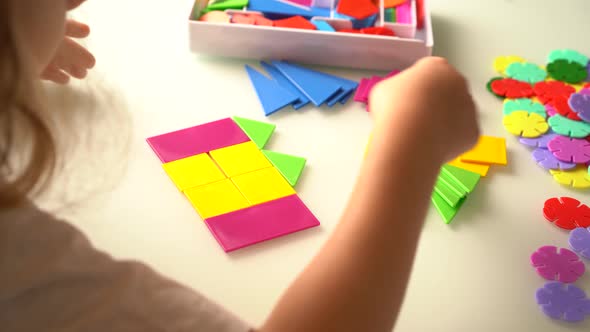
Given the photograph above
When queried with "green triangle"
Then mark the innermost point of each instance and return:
(227, 4)
(447, 193)
(466, 179)
(446, 211)
(259, 132)
(290, 167)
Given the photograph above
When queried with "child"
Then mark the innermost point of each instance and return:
(52, 279)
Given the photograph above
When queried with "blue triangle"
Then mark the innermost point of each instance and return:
(284, 8)
(316, 87)
(323, 25)
(286, 84)
(347, 86)
(272, 97)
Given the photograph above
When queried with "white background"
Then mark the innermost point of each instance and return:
(472, 275)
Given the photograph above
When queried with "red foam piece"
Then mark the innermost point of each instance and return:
(350, 30)
(359, 9)
(260, 223)
(295, 22)
(381, 31)
(420, 13)
(548, 91)
(243, 19)
(511, 88)
(567, 213)
(562, 106)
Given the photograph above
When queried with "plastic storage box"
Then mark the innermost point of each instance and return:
(314, 47)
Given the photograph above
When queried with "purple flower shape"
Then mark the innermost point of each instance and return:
(580, 103)
(580, 241)
(539, 142)
(547, 160)
(563, 301)
(557, 264)
(571, 150)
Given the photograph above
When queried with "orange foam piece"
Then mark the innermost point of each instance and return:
(295, 22)
(381, 31)
(489, 150)
(261, 20)
(390, 3)
(359, 9)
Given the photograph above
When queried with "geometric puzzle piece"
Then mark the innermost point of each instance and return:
(227, 4)
(290, 167)
(526, 72)
(580, 103)
(547, 160)
(263, 185)
(567, 127)
(359, 9)
(294, 22)
(524, 104)
(447, 192)
(563, 301)
(446, 211)
(260, 223)
(557, 264)
(570, 55)
(502, 62)
(566, 212)
(271, 95)
(286, 84)
(193, 171)
(579, 241)
(480, 169)
(259, 132)
(491, 150)
(216, 198)
(239, 159)
(464, 179)
(570, 150)
(196, 140)
(525, 124)
(576, 178)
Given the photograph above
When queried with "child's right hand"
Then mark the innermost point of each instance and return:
(429, 102)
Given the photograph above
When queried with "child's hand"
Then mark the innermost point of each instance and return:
(71, 59)
(429, 102)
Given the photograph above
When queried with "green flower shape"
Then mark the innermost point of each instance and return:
(524, 104)
(567, 71)
(570, 55)
(570, 128)
(526, 72)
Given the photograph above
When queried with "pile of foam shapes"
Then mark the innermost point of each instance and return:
(289, 84)
(559, 298)
(548, 109)
(367, 84)
(245, 194)
(343, 16)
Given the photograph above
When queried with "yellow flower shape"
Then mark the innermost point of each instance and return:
(576, 178)
(502, 62)
(525, 124)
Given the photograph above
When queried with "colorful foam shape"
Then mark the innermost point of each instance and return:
(480, 169)
(569, 55)
(404, 13)
(566, 212)
(547, 160)
(562, 301)
(447, 192)
(240, 159)
(502, 62)
(562, 107)
(216, 198)
(467, 180)
(550, 90)
(259, 132)
(286, 84)
(566, 71)
(579, 241)
(317, 88)
(286, 9)
(263, 185)
(227, 4)
(291, 167)
(539, 142)
(580, 103)
(524, 104)
(323, 26)
(488, 150)
(525, 124)
(272, 96)
(570, 150)
(359, 9)
(446, 211)
(193, 171)
(527, 72)
(557, 264)
(196, 140)
(511, 88)
(347, 87)
(393, 3)
(577, 178)
(260, 223)
(568, 127)
(295, 22)
(361, 93)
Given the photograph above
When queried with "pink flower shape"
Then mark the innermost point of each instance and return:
(556, 264)
(570, 150)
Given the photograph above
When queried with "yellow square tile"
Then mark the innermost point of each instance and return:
(263, 185)
(216, 198)
(193, 171)
(489, 150)
(480, 169)
(240, 159)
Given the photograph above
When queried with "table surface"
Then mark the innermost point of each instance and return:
(471, 275)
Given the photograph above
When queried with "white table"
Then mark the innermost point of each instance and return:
(473, 275)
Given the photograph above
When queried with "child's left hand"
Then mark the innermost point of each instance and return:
(71, 59)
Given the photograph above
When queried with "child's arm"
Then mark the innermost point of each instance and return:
(357, 282)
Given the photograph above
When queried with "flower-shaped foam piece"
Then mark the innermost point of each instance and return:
(547, 160)
(577, 178)
(489, 86)
(526, 72)
(502, 62)
(570, 150)
(549, 90)
(525, 124)
(566, 71)
(569, 55)
(524, 104)
(511, 88)
(539, 142)
(580, 241)
(567, 212)
(557, 264)
(551, 111)
(580, 103)
(563, 301)
(562, 107)
(567, 127)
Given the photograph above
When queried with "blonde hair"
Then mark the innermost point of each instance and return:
(27, 154)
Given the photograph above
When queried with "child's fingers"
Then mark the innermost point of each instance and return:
(72, 54)
(54, 74)
(77, 29)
